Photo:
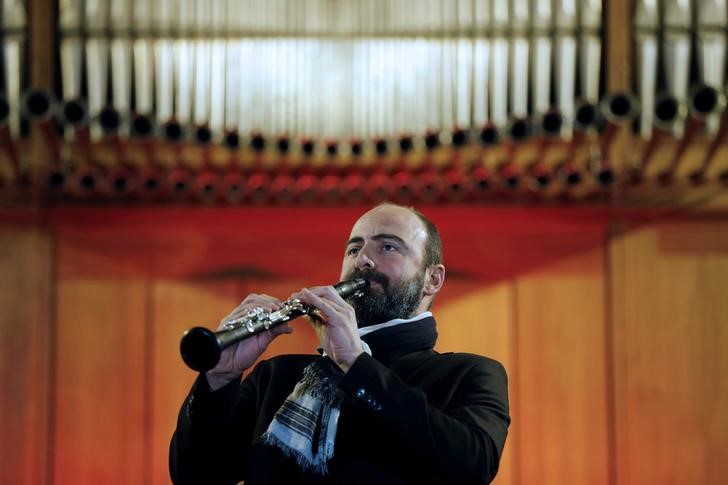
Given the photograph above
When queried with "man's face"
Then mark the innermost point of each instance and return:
(386, 247)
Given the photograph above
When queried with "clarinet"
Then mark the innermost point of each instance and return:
(201, 348)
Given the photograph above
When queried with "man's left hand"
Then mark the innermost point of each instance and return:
(334, 321)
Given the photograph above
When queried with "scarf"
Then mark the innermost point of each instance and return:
(304, 427)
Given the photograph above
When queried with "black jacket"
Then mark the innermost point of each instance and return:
(421, 418)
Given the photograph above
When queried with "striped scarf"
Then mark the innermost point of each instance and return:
(304, 427)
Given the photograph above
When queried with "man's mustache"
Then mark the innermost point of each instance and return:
(371, 275)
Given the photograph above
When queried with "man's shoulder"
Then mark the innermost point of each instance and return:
(468, 361)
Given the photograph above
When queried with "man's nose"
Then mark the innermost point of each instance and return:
(363, 261)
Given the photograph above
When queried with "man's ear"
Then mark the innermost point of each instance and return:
(434, 279)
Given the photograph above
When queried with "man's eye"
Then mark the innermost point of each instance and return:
(389, 247)
(352, 251)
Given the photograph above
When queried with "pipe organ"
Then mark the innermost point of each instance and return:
(332, 101)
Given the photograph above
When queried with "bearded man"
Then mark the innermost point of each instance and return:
(379, 406)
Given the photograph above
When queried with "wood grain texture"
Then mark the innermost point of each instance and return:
(25, 346)
(671, 321)
(100, 403)
(562, 376)
(175, 307)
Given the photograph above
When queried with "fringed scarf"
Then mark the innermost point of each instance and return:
(304, 427)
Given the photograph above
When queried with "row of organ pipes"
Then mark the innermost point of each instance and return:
(441, 97)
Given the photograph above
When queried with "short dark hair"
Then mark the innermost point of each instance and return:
(433, 244)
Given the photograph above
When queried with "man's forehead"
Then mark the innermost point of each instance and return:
(394, 220)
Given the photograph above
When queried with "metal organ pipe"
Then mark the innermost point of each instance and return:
(122, 176)
(282, 184)
(587, 124)
(89, 175)
(618, 109)
(646, 26)
(13, 25)
(206, 184)
(179, 179)
(549, 129)
(428, 83)
(564, 17)
(518, 127)
(232, 183)
(712, 21)
(73, 111)
(6, 141)
(705, 102)
(669, 114)
(39, 107)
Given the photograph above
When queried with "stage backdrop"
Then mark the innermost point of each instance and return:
(612, 327)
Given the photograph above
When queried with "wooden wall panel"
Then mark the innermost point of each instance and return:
(100, 404)
(177, 306)
(479, 319)
(711, 386)
(25, 333)
(671, 332)
(562, 378)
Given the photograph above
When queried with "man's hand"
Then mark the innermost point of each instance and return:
(335, 324)
(238, 357)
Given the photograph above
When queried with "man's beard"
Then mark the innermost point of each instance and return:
(399, 301)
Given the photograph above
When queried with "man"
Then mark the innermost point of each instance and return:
(380, 406)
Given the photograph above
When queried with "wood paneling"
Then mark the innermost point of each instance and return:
(562, 376)
(671, 332)
(176, 306)
(25, 349)
(100, 404)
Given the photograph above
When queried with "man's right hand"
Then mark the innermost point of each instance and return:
(238, 357)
